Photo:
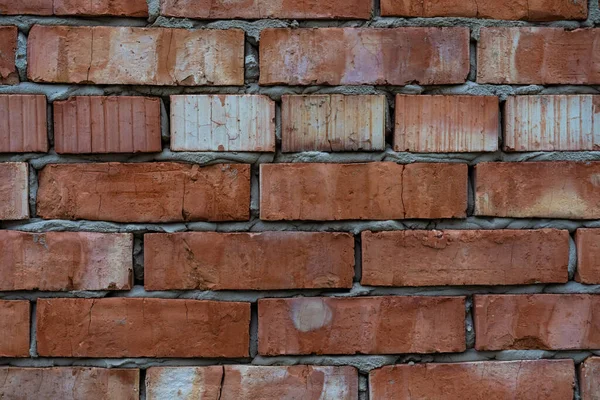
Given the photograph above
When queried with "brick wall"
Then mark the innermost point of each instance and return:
(273, 199)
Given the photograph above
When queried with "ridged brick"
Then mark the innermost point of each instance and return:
(23, 126)
(248, 261)
(357, 56)
(552, 123)
(136, 327)
(478, 257)
(538, 56)
(8, 48)
(437, 124)
(558, 189)
(587, 242)
(58, 261)
(70, 383)
(589, 379)
(128, 8)
(537, 321)
(377, 191)
(101, 124)
(144, 192)
(332, 123)
(14, 328)
(222, 123)
(135, 56)
(475, 380)
(14, 191)
(366, 325)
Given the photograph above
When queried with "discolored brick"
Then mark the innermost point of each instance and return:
(14, 191)
(8, 48)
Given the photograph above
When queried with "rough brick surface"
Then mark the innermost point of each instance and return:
(537, 321)
(122, 327)
(248, 261)
(14, 191)
(144, 192)
(559, 189)
(58, 261)
(376, 191)
(538, 56)
(588, 256)
(8, 47)
(222, 123)
(477, 380)
(130, 56)
(100, 124)
(356, 56)
(367, 325)
(473, 257)
(589, 379)
(14, 328)
(70, 383)
(23, 125)
(332, 123)
(129, 8)
(430, 124)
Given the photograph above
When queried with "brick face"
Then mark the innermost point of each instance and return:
(129, 8)
(14, 191)
(23, 126)
(589, 378)
(8, 47)
(14, 328)
(588, 256)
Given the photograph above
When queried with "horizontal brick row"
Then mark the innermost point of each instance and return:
(129, 8)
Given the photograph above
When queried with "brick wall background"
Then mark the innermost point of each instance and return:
(268, 199)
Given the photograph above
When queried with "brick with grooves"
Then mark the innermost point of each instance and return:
(14, 191)
(8, 48)
(366, 325)
(23, 124)
(129, 8)
(14, 328)
(589, 378)
(248, 261)
(122, 327)
(588, 256)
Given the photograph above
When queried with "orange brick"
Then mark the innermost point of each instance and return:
(8, 48)
(14, 328)
(129, 8)
(14, 191)
(23, 125)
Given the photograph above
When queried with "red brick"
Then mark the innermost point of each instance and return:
(528, 10)
(23, 123)
(589, 379)
(135, 56)
(475, 380)
(538, 56)
(588, 256)
(14, 191)
(366, 325)
(356, 56)
(35, 7)
(248, 261)
(59, 261)
(8, 48)
(145, 192)
(480, 257)
(100, 124)
(128, 327)
(253, 382)
(537, 321)
(14, 328)
(558, 189)
(128, 8)
(378, 191)
(437, 124)
(70, 383)
(258, 9)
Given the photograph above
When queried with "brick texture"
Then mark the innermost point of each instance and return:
(23, 126)
(144, 192)
(474, 257)
(99, 124)
(589, 379)
(14, 191)
(367, 325)
(135, 56)
(248, 261)
(588, 256)
(8, 47)
(129, 8)
(14, 328)
(122, 327)
(345, 56)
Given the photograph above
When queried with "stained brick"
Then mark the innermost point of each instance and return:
(14, 328)
(14, 191)
(589, 379)
(128, 8)
(23, 126)
(8, 48)
(588, 255)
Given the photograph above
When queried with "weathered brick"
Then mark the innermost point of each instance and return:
(135, 56)
(537, 321)
(589, 379)
(366, 325)
(479, 257)
(128, 8)
(144, 192)
(436, 124)
(136, 327)
(475, 380)
(14, 191)
(23, 126)
(588, 256)
(248, 261)
(222, 123)
(252, 382)
(58, 261)
(356, 56)
(529, 10)
(259, 9)
(8, 48)
(550, 123)
(332, 123)
(35, 7)
(559, 189)
(538, 56)
(102, 124)
(378, 191)
(70, 383)
(14, 328)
